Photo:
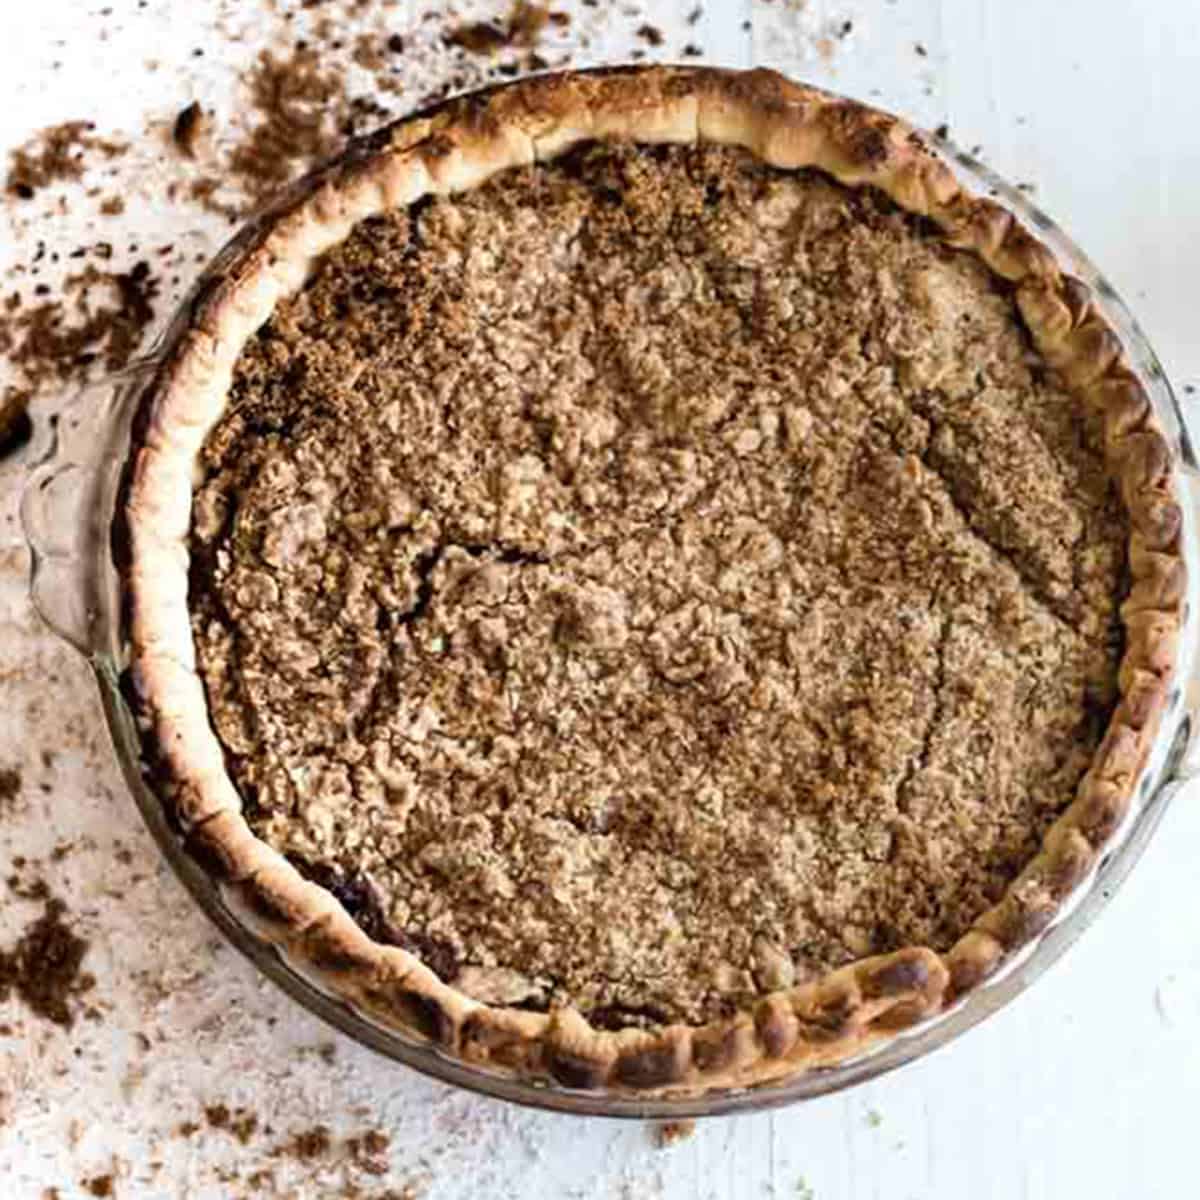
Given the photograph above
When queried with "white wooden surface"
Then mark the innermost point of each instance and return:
(1089, 1085)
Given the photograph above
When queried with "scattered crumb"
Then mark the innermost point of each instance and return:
(1161, 1006)
(921, 51)
(311, 1143)
(37, 890)
(369, 1151)
(671, 1133)
(204, 190)
(15, 426)
(217, 1115)
(292, 97)
(99, 1185)
(691, 50)
(477, 37)
(651, 35)
(522, 27)
(369, 52)
(100, 318)
(942, 131)
(189, 128)
(874, 1118)
(10, 777)
(363, 1156)
(241, 1123)
(56, 154)
(43, 968)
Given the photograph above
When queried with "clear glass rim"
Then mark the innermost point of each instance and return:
(83, 572)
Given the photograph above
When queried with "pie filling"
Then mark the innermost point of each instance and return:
(653, 579)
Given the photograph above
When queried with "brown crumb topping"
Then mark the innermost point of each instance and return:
(676, 579)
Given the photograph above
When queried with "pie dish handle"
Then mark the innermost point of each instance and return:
(1183, 758)
(67, 506)
(1182, 419)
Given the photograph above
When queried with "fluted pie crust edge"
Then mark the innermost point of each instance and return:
(457, 147)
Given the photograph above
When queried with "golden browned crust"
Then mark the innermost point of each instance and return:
(788, 126)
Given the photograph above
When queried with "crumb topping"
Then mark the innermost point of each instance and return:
(654, 579)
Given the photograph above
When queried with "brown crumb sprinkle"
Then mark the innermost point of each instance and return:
(188, 129)
(306, 1145)
(241, 1122)
(671, 1133)
(10, 784)
(56, 154)
(291, 96)
(368, 1151)
(99, 319)
(522, 27)
(16, 427)
(44, 967)
(100, 1185)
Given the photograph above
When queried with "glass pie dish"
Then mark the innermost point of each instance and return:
(71, 518)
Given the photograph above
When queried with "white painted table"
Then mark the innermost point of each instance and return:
(1089, 1085)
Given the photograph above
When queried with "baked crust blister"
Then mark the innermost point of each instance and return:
(457, 147)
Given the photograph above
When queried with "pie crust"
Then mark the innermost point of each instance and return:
(456, 147)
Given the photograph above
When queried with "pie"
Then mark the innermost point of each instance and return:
(641, 579)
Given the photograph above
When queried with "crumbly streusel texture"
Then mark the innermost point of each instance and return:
(653, 579)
